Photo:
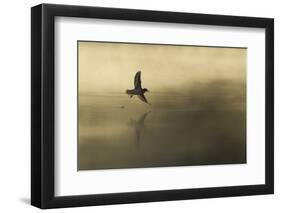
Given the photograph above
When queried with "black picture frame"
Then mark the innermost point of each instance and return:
(43, 102)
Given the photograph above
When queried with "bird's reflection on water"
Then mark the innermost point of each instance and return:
(139, 127)
(117, 132)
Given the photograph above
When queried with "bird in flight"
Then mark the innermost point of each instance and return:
(138, 90)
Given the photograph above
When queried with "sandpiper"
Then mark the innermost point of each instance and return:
(138, 90)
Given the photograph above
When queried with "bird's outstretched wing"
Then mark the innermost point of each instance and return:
(138, 80)
(143, 98)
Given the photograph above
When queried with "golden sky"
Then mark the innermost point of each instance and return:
(110, 67)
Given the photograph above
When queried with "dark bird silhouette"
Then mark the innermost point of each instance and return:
(138, 90)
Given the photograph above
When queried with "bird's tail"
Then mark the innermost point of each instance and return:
(130, 92)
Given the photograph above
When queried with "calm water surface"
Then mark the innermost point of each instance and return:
(118, 132)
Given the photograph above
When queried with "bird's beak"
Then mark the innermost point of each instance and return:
(148, 91)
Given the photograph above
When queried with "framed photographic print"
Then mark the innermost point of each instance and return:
(139, 106)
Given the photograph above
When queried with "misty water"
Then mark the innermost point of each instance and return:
(175, 130)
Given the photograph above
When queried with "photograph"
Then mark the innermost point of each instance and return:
(143, 105)
(138, 105)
